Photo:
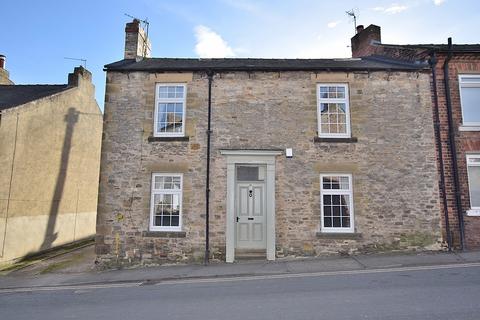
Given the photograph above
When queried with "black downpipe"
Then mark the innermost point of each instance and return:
(453, 148)
(207, 188)
(433, 62)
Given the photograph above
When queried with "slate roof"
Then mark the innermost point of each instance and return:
(459, 48)
(251, 64)
(15, 95)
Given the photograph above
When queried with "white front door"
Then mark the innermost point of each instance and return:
(250, 215)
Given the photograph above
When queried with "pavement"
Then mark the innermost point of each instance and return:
(78, 268)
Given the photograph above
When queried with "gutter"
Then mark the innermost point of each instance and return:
(453, 149)
(433, 62)
(207, 187)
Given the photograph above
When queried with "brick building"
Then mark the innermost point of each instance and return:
(455, 87)
(227, 158)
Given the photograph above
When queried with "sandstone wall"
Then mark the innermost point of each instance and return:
(393, 163)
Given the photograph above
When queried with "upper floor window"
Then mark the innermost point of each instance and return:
(333, 110)
(170, 110)
(470, 99)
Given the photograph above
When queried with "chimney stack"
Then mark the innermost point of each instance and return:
(137, 44)
(4, 74)
(363, 43)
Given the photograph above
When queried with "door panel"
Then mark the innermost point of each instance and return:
(250, 215)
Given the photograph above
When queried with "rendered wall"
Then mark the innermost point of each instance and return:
(49, 155)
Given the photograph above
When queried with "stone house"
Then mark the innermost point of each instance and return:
(455, 90)
(232, 158)
(50, 139)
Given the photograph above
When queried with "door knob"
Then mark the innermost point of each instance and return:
(250, 193)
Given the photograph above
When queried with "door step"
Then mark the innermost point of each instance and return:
(250, 254)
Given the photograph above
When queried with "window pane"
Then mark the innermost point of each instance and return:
(179, 92)
(171, 92)
(175, 221)
(470, 104)
(176, 182)
(327, 222)
(327, 211)
(158, 183)
(327, 183)
(247, 173)
(162, 92)
(336, 211)
(167, 182)
(327, 199)
(474, 185)
(344, 183)
(336, 222)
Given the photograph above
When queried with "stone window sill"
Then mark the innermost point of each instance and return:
(339, 236)
(335, 140)
(469, 128)
(155, 139)
(164, 234)
(473, 213)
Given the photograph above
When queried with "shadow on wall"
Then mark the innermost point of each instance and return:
(50, 235)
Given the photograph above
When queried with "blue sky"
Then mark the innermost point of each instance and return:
(37, 35)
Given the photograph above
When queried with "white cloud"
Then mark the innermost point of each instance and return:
(333, 24)
(393, 9)
(438, 2)
(210, 44)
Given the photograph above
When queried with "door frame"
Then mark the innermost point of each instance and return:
(260, 157)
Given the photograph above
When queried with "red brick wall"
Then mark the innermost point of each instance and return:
(465, 142)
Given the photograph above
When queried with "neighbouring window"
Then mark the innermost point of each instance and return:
(170, 110)
(470, 99)
(166, 202)
(473, 169)
(336, 202)
(333, 110)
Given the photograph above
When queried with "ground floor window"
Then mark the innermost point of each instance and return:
(336, 202)
(473, 168)
(166, 202)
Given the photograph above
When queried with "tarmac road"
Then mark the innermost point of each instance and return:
(449, 292)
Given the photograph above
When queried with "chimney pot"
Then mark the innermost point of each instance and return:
(2, 61)
(360, 28)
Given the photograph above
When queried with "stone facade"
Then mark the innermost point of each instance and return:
(50, 160)
(393, 163)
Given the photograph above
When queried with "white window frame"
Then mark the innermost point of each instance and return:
(154, 192)
(474, 211)
(345, 100)
(348, 192)
(159, 100)
(465, 124)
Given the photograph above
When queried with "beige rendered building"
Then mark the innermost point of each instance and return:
(49, 158)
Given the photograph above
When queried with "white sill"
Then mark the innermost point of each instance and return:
(473, 213)
(469, 128)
